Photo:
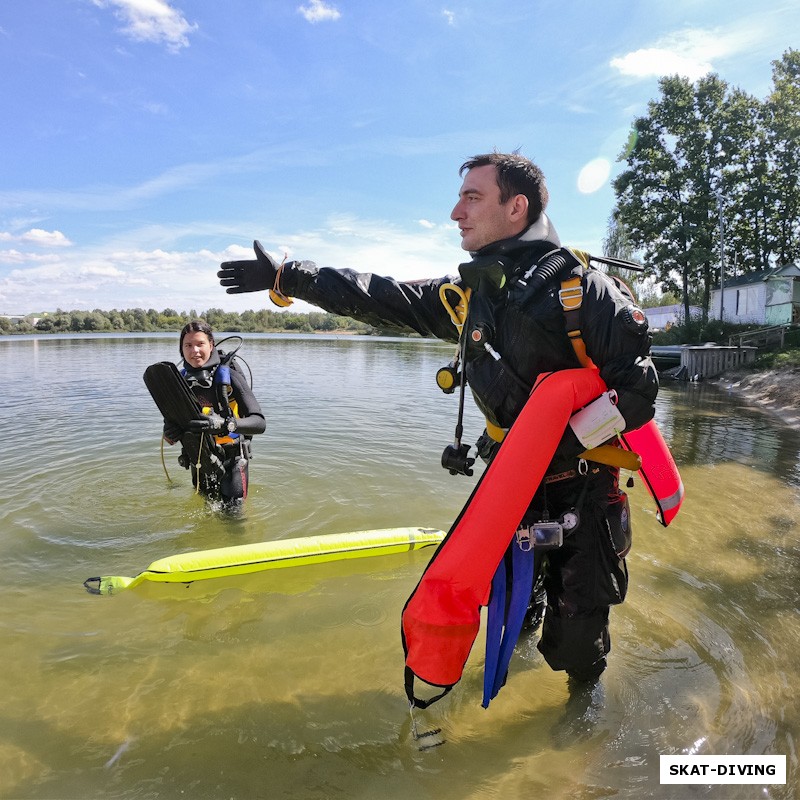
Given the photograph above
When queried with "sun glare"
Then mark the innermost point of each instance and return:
(594, 175)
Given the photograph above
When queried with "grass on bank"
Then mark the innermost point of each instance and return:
(785, 359)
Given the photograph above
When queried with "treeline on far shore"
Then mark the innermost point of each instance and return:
(138, 320)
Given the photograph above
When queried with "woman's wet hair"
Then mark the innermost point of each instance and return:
(196, 326)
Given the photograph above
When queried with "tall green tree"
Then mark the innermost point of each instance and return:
(783, 136)
(746, 191)
(712, 166)
(667, 196)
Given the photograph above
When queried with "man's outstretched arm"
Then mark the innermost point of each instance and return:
(379, 301)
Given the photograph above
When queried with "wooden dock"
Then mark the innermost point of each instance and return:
(708, 361)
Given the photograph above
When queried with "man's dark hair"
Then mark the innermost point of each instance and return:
(515, 175)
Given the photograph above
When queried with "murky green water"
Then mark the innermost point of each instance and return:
(288, 684)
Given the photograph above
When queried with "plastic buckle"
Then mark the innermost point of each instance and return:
(525, 540)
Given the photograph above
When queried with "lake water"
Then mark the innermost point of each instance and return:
(288, 683)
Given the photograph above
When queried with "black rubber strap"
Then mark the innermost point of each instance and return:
(416, 702)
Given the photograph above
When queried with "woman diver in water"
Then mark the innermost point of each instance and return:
(216, 447)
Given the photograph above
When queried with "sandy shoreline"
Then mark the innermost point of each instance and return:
(775, 391)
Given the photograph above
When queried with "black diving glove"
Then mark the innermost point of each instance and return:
(213, 423)
(239, 277)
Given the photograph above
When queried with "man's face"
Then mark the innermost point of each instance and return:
(480, 216)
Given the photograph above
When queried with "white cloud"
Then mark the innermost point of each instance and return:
(151, 21)
(450, 16)
(37, 236)
(123, 274)
(18, 257)
(690, 53)
(238, 253)
(377, 246)
(46, 238)
(319, 11)
(98, 278)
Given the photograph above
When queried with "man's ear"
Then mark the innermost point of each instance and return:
(519, 208)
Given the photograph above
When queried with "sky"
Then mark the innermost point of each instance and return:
(145, 141)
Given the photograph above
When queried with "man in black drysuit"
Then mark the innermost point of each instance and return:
(500, 213)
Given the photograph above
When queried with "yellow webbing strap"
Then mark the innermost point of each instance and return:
(613, 456)
(571, 297)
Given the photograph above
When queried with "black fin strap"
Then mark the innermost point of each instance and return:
(416, 702)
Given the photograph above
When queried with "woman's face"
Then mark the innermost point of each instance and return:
(196, 348)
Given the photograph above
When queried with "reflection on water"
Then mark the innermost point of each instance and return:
(288, 684)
